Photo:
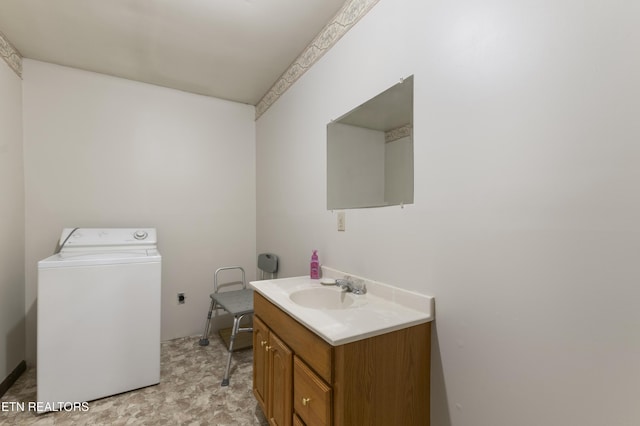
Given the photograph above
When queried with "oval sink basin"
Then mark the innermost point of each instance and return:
(322, 298)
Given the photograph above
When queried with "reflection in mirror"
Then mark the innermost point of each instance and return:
(370, 152)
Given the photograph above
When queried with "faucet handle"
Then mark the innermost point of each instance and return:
(342, 282)
(359, 287)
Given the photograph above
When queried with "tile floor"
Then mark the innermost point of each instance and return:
(189, 393)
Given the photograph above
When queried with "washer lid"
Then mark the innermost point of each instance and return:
(88, 239)
(91, 258)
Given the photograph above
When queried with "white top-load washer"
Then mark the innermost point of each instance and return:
(98, 316)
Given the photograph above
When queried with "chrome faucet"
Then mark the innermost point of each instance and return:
(351, 286)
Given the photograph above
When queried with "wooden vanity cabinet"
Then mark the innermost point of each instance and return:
(299, 379)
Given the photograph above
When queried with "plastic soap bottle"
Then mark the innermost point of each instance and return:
(315, 266)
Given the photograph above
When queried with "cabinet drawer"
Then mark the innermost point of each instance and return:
(297, 421)
(311, 395)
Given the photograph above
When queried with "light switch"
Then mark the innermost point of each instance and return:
(341, 226)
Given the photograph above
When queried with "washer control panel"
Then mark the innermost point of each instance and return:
(105, 237)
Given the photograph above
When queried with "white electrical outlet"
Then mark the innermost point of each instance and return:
(341, 226)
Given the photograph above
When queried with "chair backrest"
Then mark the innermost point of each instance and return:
(216, 286)
(268, 262)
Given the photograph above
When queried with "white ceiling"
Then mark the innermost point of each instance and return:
(229, 49)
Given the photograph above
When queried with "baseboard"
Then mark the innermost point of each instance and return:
(12, 377)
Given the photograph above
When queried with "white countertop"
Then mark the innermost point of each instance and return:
(382, 309)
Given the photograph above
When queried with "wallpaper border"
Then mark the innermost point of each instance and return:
(398, 133)
(342, 22)
(10, 54)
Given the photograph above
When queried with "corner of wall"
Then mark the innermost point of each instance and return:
(12, 275)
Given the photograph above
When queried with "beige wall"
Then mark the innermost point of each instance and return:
(107, 152)
(525, 225)
(12, 318)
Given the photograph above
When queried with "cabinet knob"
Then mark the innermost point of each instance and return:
(263, 342)
(267, 348)
(306, 401)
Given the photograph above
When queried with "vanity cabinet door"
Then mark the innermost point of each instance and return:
(272, 374)
(260, 358)
(280, 381)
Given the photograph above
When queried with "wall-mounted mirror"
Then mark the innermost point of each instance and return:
(370, 152)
